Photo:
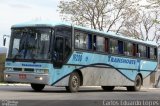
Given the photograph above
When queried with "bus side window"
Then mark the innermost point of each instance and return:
(152, 53)
(94, 42)
(155, 53)
(148, 52)
(77, 40)
(138, 54)
(135, 50)
(128, 49)
(100, 44)
(113, 46)
(81, 40)
(106, 45)
(89, 42)
(120, 47)
(142, 50)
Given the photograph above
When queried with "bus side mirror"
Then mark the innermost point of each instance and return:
(4, 41)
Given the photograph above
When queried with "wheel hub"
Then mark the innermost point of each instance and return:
(75, 82)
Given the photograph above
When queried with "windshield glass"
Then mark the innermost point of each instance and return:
(30, 43)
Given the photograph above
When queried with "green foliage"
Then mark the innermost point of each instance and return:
(2, 58)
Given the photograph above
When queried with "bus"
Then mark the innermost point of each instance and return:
(65, 55)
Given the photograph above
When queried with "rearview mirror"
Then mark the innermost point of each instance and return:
(4, 41)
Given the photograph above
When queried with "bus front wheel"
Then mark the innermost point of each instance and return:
(37, 87)
(74, 82)
(137, 84)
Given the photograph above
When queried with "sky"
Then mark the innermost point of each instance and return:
(17, 11)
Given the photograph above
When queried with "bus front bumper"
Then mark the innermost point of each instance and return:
(26, 77)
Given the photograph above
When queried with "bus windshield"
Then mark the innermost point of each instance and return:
(30, 43)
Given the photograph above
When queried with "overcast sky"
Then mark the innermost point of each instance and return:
(17, 11)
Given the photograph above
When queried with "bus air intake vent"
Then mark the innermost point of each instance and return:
(17, 69)
(29, 70)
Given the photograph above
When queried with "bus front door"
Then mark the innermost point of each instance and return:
(58, 52)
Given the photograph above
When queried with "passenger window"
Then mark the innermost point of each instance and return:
(81, 40)
(128, 49)
(113, 47)
(106, 45)
(142, 50)
(135, 50)
(120, 47)
(151, 52)
(89, 41)
(94, 43)
(155, 53)
(100, 44)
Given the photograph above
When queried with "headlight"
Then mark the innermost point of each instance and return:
(41, 71)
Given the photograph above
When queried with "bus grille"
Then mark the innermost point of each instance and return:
(17, 69)
(25, 69)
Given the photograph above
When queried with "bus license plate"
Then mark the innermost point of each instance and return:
(22, 76)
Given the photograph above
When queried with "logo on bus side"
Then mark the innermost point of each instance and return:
(121, 60)
(31, 65)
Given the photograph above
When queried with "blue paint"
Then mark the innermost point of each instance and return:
(83, 59)
(145, 67)
(86, 59)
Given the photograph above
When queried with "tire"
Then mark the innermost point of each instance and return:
(74, 83)
(108, 88)
(137, 84)
(37, 87)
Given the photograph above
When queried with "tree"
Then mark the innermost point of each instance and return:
(98, 14)
(153, 3)
(144, 24)
(121, 16)
(85, 12)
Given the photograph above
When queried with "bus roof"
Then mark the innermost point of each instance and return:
(53, 24)
(39, 23)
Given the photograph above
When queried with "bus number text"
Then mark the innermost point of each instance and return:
(77, 57)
